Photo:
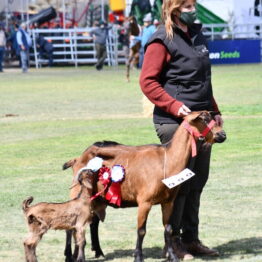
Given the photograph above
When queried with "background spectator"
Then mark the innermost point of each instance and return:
(45, 49)
(124, 38)
(147, 31)
(24, 43)
(2, 45)
(12, 42)
(100, 35)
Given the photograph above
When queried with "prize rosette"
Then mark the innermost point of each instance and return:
(104, 175)
(117, 173)
(113, 194)
(114, 176)
(105, 178)
(95, 164)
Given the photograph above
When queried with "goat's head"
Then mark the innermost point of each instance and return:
(85, 178)
(205, 127)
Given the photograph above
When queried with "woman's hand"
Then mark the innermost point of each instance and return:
(183, 111)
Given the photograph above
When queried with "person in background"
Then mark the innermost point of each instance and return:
(156, 23)
(147, 31)
(45, 49)
(12, 42)
(176, 78)
(124, 38)
(24, 43)
(2, 45)
(100, 34)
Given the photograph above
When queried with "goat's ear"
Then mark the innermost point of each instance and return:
(192, 116)
(80, 178)
(101, 212)
(206, 116)
(101, 215)
(87, 180)
(69, 163)
(203, 115)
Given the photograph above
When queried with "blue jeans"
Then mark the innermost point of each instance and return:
(24, 56)
(2, 53)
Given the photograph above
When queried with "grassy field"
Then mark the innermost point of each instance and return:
(49, 116)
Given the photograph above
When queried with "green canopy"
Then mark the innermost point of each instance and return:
(207, 17)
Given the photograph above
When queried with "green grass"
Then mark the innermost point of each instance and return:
(61, 111)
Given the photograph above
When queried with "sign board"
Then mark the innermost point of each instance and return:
(234, 51)
(179, 178)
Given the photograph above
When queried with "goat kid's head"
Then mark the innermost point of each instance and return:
(201, 121)
(85, 178)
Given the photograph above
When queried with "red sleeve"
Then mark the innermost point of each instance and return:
(155, 59)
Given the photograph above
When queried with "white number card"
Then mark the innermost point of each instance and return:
(179, 178)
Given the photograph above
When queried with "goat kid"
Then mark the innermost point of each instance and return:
(70, 215)
(95, 243)
(147, 165)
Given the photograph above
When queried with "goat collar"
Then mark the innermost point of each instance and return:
(196, 134)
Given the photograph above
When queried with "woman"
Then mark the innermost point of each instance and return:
(176, 78)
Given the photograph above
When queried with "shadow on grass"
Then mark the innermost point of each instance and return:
(155, 253)
(251, 245)
(246, 246)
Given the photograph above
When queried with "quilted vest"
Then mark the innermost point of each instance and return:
(187, 76)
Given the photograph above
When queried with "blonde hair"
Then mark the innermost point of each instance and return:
(169, 8)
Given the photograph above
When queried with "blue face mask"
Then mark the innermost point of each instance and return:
(188, 18)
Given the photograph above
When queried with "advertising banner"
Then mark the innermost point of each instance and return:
(234, 51)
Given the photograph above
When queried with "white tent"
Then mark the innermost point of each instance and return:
(234, 11)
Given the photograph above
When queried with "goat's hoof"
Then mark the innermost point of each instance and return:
(164, 252)
(69, 259)
(80, 260)
(172, 258)
(99, 253)
(139, 259)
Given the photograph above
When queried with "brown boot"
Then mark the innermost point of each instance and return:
(198, 249)
(180, 250)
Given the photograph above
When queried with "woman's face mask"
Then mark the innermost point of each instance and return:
(188, 18)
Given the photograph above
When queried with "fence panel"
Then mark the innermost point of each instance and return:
(74, 46)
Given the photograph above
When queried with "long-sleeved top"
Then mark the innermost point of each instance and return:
(100, 34)
(23, 38)
(154, 62)
(147, 32)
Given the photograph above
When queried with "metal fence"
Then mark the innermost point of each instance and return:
(233, 31)
(75, 46)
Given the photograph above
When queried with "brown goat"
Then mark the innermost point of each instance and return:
(70, 215)
(147, 165)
